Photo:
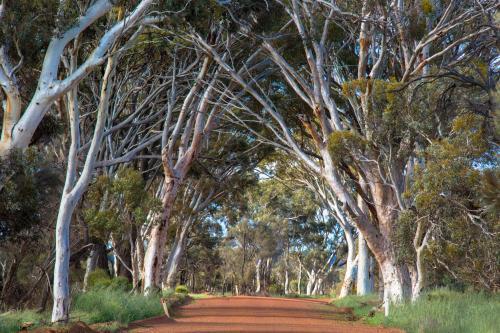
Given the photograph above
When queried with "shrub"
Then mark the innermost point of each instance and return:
(275, 289)
(167, 292)
(11, 321)
(438, 311)
(181, 289)
(98, 279)
(106, 304)
(443, 311)
(120, 283)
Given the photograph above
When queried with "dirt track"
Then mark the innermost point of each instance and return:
(256, 314)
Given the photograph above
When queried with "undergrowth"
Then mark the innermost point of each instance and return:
(438, 311)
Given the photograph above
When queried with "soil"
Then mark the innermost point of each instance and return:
(257, 314)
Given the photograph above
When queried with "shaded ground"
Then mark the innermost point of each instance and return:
(256, 314)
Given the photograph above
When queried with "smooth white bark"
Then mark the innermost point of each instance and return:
(49, 87)
(350, 266)
(73, 190)
(365, 281)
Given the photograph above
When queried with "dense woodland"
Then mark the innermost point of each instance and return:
(248, 147)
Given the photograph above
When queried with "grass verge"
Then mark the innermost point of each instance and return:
(439, 311)
(114, 308)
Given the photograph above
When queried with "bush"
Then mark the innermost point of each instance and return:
(443, 311)
(120, 283)
(275, 289)
(11, 321)
(167, 292)
(439, 311)
(106, 304)
(98, 279)
(181, 289)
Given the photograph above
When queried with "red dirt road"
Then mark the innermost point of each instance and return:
(255, 314)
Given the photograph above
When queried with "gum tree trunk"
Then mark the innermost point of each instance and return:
(74, 189)
(60, 310)
(350, 264)
(154, 253)
(96, 259)
(257, 276)
(364, 285)
(176, 253)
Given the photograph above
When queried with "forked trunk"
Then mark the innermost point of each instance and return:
(154, 253)
(310, 283)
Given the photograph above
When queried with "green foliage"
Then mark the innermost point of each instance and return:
(181, 289)
(439, 311)
(427, 7)
(105, 304)
(444, 311)
(361, 305)
(342, 144)
(403, 236)
(28, 183)
(454, 193)
(167, 292)
(100, 279)
(127, 191)
(275, 289)
(10, 322)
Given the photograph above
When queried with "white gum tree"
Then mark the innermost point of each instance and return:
(21, 119)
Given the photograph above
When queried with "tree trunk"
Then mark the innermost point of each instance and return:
(287, 282)
(73, 190)
(9, 281)
(310, 283)
(378, 239)
(267, 274)
(393, 285)
(97, 258)
(350, 262)
(156, 245)
(60, 310)
(257, 275)
(419, 276)
(176, 253)
(299, 282)
(317, 286)
(122, 249)
(364, 284)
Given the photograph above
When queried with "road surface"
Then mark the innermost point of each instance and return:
(256, 314)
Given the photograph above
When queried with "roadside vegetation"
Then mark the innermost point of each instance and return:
(438, 311)
(106, 303)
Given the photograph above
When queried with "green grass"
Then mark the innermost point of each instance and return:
(117, 308)
(439, 311)
(444, 311)
(361, 305)
(300, 296)
(104, 305)
(200, 296)
(12, 320)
